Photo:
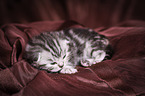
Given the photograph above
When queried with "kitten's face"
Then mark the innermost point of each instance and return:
(51, 63)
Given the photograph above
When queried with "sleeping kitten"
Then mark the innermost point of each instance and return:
(61, 51)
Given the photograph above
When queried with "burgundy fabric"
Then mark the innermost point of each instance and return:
(91, 13)
(123, 75)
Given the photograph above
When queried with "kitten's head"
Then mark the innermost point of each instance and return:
(51, 63)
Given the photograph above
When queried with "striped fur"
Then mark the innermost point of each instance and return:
(61, 51)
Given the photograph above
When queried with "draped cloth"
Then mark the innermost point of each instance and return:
(123, 74)
(122, 21)
(91, 13)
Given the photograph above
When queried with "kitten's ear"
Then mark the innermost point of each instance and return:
(33, 58)
(99, 55)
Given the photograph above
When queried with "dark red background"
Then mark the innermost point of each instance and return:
(91, 13)
(122, 21)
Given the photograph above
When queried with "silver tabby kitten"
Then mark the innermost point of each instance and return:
(61, 51)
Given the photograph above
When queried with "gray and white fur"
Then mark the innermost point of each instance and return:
(61, 51)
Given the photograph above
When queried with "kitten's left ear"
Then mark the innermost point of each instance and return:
(99, 55)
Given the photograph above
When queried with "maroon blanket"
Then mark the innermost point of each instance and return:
(123, 75)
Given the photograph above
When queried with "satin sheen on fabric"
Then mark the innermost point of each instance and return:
(122, 75)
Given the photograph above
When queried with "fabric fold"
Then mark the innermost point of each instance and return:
(115, 77)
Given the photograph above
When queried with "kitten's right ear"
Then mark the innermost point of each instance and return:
(99, 55)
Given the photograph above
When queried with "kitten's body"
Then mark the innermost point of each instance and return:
(61, 51)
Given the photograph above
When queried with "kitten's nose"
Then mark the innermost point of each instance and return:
(60, 65)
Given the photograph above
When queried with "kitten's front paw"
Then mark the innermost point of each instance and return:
(68, 70)
(85, 63)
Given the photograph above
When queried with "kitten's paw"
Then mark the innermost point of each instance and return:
(85, 63)
(68, 70)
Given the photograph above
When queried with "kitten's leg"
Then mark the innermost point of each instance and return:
(97, 56)
(85, 63)
(86, 55)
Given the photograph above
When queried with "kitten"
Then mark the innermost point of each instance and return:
(61, 51)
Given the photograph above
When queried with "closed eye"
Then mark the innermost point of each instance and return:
(50, 59)
(64, 56)
(53, 63)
